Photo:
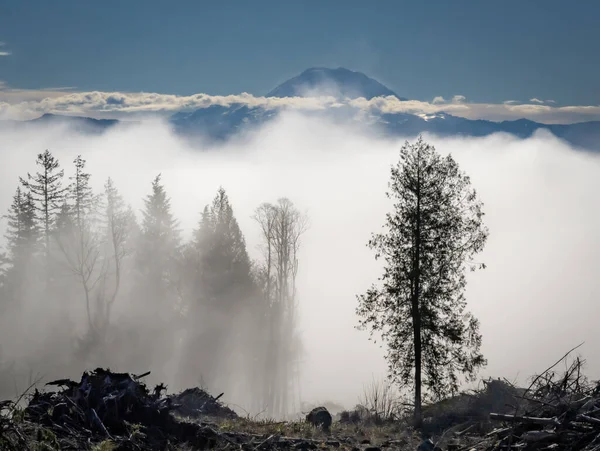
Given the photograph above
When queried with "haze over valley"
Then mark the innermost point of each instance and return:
(540, 255)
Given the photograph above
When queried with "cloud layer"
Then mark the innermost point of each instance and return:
(29, 104)
(3, 51)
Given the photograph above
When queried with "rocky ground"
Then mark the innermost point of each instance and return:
(116, 411)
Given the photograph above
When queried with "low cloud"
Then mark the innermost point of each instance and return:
(534, 100)
(29, 104)
(494, 112)
(4, 52)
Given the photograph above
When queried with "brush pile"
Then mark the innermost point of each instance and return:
(116, 411)
(102, 407)
(562, 412)
(196, 403)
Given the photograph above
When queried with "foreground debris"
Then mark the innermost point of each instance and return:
(107, 410)
(559, 411)
(196, 403)
(102, 407)
(564, 414)
(117, 411)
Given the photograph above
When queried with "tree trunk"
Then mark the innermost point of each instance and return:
(417, 338)
(416, 310)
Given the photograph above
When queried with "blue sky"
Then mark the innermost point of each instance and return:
(489, 51)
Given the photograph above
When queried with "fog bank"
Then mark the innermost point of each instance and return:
(536, 299)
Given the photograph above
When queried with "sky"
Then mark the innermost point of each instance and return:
(489, 52)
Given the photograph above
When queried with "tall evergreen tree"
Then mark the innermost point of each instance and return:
(225, 261)
(83, 200)
(47, 192)
(64, 224)
(22, 230)
(22, 237)
(432, 233)
(218, 271)
(160, 236)
(157, 257)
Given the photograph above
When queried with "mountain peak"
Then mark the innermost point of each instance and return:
(338, 83)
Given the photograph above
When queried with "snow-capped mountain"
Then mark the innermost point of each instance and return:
(339, 83)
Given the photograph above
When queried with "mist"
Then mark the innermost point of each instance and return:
(536, 299)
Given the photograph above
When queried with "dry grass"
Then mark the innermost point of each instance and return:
(345, 434)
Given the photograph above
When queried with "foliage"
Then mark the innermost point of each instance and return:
(79, 253)
(432, 233)
(47, 191)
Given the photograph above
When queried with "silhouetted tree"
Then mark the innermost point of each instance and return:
(84, 202)
(433, 231)
(160, 241)
(22, 235)
(157, 258)
(78, 239)
(119, 225)
(47, 192)
(282, 225)
(225, 262)
(22, 231)
(221, 292)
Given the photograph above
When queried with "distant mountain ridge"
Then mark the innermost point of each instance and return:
(78, 123)
(219, 123)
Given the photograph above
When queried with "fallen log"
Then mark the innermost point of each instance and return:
(524, 419)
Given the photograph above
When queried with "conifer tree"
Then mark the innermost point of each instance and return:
(157, 258)
(47, 192)
(432, 233)
(64, 224)
(222, 293)
(160, 236)
(22, 237)
(22, 230)
(83, 200)
(158, 252)
(225, 261)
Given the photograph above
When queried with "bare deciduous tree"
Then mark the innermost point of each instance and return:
(282, 225)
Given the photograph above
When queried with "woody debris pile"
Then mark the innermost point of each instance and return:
(102, 406)
(559, 411)
(116, 411)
